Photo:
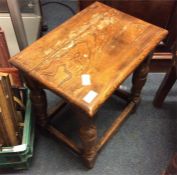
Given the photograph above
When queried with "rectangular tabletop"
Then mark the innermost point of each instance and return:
(85, 59)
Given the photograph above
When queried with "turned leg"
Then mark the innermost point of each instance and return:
(139, 79)
(165, 87)
(38, 100)
(88, 136)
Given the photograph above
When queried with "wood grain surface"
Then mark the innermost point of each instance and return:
(8, 112)
(13, 75)
(105, 44)
(4, 52)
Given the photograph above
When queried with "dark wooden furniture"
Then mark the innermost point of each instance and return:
(168, 81)
(172, 167)
(157, 12)
(5, 66)
(84, 61)
(4, 52)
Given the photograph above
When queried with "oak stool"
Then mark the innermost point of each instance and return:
(84, 61)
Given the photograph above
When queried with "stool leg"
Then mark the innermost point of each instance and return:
(88, 136)
(38, 100)
(139, 79)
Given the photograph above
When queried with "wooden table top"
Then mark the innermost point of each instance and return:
(85, 59)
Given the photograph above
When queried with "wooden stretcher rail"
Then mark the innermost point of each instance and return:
(115, 126)
(59, 135)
